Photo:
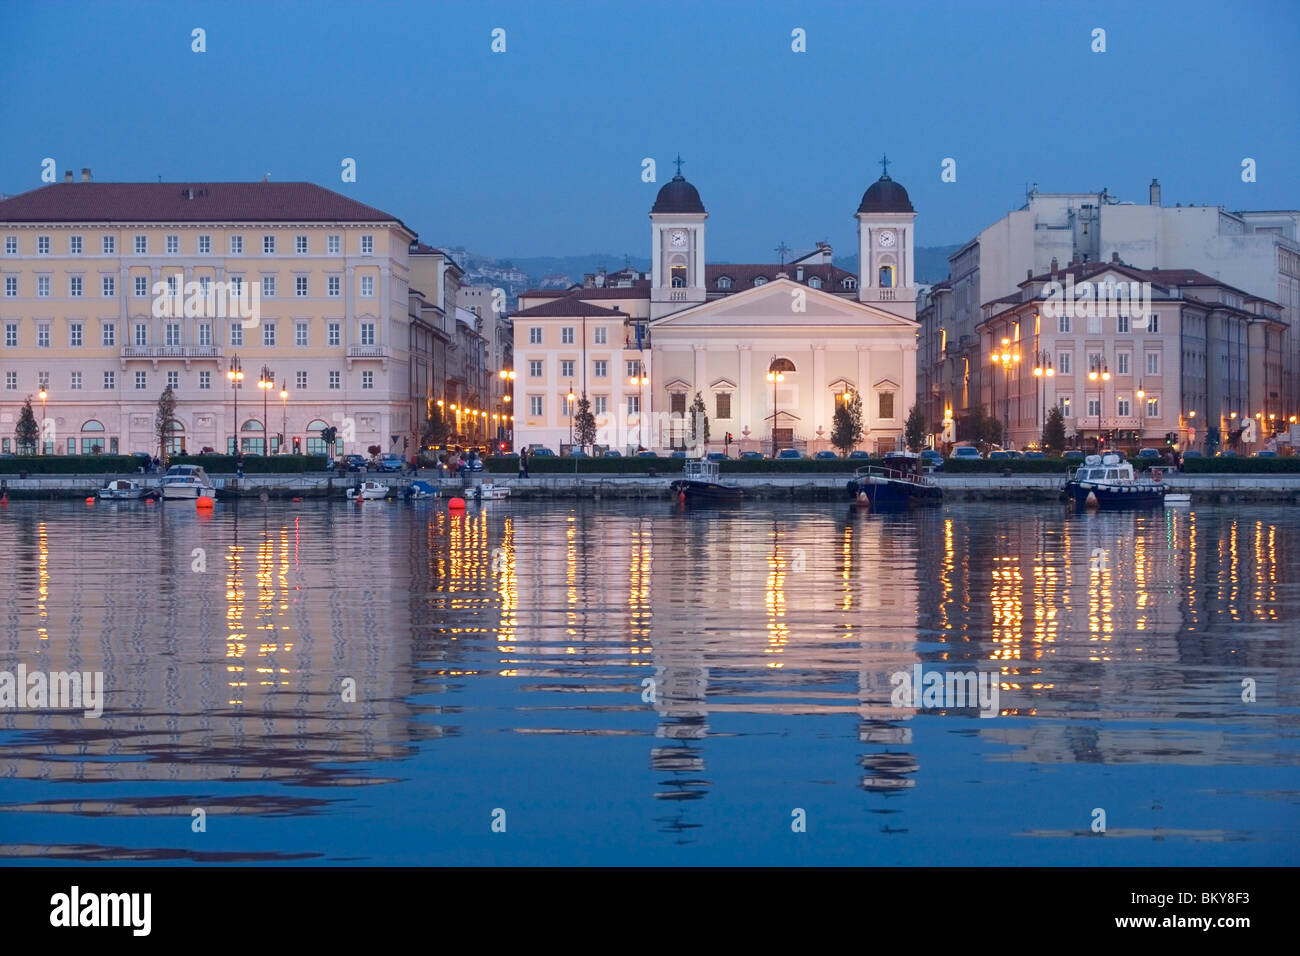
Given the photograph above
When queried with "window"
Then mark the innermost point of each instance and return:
(566, 368)
(268, 245)
(11, 381)
(237, 286)
(1065, 406)
(333, 287)
(74, 287)
(367, 379)
(110, 381)
(268, 333)
(43, 287)
(1153, 407)
(141, 381)
(1153, 322)
(1094, 407)
(43, 335)
(600, 405)
(534, 405)
(141, 287)
(43, 380)
(815, 282)
(1063, 324)
(566, 335)
(633, 404)
(42, 245)
(173, 286)
(534, 335)
(677, 403)
(172, 333)
(300, 245)
(300, 286)
(724, 282)
(107, 287)
(108, 334)
(535, 368)
(300, 333)
(141, 245)
(11, 287)
(205, 333)
(108, 245)
(332, 333)
(760, 280)
(74, 245)
(1121, 406)
(205, 381)
(722, 405)
(141, 333)
(367, 287)
(236, 245)
(268, 287)
(75, 331)
(849, 283)
(334, 380)
(367, 333)
(333, 245)
(205, 245)
(886, 277)
(74, 381)
(633, 368)
(11, 335)
(600, 368)
(1153, 363)
(173, 380)
(1121, 363)
(173, 245)
(11, 245)
(300, 380)
(1121, 324)
(886, 405)
(600, 335)
(367, 245)
(236, 334)
(1063, 361)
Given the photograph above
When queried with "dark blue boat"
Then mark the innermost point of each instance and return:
(1109, 483)
(699, 485)
(899, 483)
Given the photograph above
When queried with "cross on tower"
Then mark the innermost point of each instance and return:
(884, 166)
(782, 249)
(678, 161)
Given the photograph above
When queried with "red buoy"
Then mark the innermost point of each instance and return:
(456, 504)
(203, 502)
(90, 501)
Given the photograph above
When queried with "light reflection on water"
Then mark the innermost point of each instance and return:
(635, 683)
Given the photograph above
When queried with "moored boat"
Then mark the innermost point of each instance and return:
(122, 489)
(899, 483)
(1107, 481)
(419, 490)
(699, 483)
(368, 491)
(491, 492)
(186, 483)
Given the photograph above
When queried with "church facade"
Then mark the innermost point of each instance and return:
(767, 349)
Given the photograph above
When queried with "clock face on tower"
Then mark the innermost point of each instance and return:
(886, 239)
(677, 238)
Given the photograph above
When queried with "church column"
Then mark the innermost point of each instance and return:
(819, 391)
(744, 397)
(700, 371)
(909, 381)
(864, 387)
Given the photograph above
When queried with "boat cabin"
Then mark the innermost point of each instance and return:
(1104, 468)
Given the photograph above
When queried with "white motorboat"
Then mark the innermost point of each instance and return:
(1177, 500)
(186, 483)
(122, 490)
(368, 491)
(491, 492)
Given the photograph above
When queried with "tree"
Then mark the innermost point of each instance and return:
(1054, 431)
(1212, 439)
(27, 433)
(914, 429)
(435, 430)
(164, 420)
(979, 426)
(699, 424)
(846, 426)
(584, 424)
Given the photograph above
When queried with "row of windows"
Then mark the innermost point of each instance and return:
(1123, 324)
(815, 282)
(721, 404)
(172, 334)
(202, 245)
(600, 335)
(1123, 363)
(173, 379)
(143, 286)
(1123, 406)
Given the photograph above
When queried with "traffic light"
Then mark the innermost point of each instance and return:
(502, 446)
(297, 445)
(1169, 438)
(405, 441)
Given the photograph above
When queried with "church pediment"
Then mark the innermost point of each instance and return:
(886, 384)
(724, 384)
(783, 304)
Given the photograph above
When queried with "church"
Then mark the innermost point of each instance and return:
(769, 349)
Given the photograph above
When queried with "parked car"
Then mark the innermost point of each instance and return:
(1192, 453)
(751, 456)
(1226, 453)
(678, 454)
(788, 453)
(613, 453)
(931, 459)
(1034, 454)
(578, 453)
(1073, 454)
(474, 464)
(999, 455)
(541, 453)
(646, 454)
(1012, 453)
(825, 456)
(392, 462)
(349, 463)
(859, 454)
(1146, 453)
(717, 456)
(1264, 453)
(965, 453)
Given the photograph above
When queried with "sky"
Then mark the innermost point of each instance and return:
(538, 150)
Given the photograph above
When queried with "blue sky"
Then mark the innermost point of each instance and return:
(538, 150)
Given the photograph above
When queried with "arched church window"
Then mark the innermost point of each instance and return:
(850, 283)
(679, 281)
(724, 282)
(815, 282)
(886, 277)
(760, 280)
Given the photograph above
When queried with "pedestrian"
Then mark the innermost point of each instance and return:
(523, 463)
(239, 465)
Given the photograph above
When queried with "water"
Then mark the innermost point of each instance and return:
(631, 683)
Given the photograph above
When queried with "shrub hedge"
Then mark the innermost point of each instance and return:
(253, 464)
(640, 466)
(1242, 466)
(127, 465)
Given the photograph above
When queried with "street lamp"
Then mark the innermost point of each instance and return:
(1100, 373)
(44, 395)
(266, 382)
(639, 381)
(1142, 415)
(236, 375)
(774, 375)
(1006, 358)
(1042, 369)
(571, 397)
(284, 408)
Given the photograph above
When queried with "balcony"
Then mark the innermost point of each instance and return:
(381, 353)
(886, 295)
(156, 353)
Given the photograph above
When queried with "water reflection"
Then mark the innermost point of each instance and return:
(1117, 639)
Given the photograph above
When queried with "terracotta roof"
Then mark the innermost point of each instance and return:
(743, 274)
(639, 290)
(564, 308)
(170, 202)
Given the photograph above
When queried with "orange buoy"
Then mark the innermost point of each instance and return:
(456, 504)
(90, 501)
(203, 502)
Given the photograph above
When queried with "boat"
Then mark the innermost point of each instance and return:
(699, 483)
(368, 491)
(123, 490)
(186, 483)
(491, 492)
(899, 483)
(1107, 481)
(1172, 500)
(419, 490)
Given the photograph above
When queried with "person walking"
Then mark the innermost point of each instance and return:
(523, 463)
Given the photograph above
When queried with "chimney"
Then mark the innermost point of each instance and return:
(1055, 265)
(589, 280)
(1029, 273)
(85, 174)
(1155, 192)
(67, 175)
(1114, 257)
(799, 273)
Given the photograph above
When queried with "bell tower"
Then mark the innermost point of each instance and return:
(677, 247)
(885, 241)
